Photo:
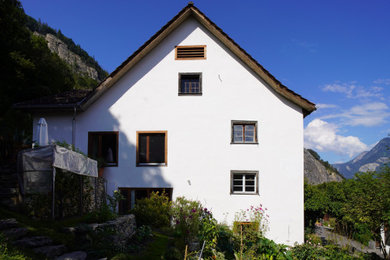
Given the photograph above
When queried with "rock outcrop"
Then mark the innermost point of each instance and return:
(316, 172)
(74, 60)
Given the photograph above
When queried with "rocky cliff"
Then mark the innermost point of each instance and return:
(74, 60)
(371, 160)
(316, 172)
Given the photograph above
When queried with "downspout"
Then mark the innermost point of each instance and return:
(74, 147)
(74, 126)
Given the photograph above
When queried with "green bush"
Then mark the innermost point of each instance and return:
(268, 249)
(227, 242)
(7, 253)
(153, 211)
(186, 216)
(329, 252)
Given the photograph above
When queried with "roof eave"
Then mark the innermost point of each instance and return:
(307, 106)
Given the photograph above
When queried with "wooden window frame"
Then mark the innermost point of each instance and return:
(244, 172)
(138, 163)
(91, 133)
(191, 46)
(200, 84)
(243, 123)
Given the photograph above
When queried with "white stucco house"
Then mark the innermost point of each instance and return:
(192, 113)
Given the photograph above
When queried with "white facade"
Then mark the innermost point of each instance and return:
(200, 155)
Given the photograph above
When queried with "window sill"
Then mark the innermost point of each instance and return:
(151, 164)
(244, 193)
(190, 94)
(110, 165)
(243, 143)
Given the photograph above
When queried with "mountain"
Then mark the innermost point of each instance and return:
(87, 70)
(30, 70)
(367, 161)
(318, 171)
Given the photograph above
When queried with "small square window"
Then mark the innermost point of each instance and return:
(244, 182)
(103, 146)
(190, 83)
(244, 132)
(152, 148)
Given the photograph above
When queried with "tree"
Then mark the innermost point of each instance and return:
(367, 202)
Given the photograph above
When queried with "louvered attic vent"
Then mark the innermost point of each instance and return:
(191, 52)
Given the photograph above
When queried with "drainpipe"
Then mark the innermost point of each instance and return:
(74, 126)
(74, 145)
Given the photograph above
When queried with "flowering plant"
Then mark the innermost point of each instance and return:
(256, 216)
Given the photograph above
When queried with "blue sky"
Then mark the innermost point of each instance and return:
(334, 53)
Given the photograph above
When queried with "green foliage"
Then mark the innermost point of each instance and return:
(227, 242)
(186, 216)
(326, 198)
(9, 253)
(154, 211)
(314, 252)
(360, 205)
(103, 214)
(208, 231)
(44, 28)
(313, 239)
(193, 224)
(114, 200)
(29, 70)
(68, 200)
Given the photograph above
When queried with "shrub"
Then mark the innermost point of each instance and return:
(7, 253)
(329, 252)
(154, 211)
(194, 225)
(186, 220)
(227, 242)
(208, 231)
(268, 249)
(313, 239)
(250, 225)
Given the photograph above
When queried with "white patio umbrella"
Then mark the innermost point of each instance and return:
(42, 133)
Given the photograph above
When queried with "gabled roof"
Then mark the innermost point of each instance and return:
(191, 11)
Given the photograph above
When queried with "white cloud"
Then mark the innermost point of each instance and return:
(382, 81)
(338, 88)
(369, 114)
(324, 106)
(322, 136)
(353, 91)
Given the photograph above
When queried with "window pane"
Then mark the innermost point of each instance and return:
(237, 182)
(109, 146)
(94, 153)
(157, 148)
(238, 133)
(250, 133)
(142, 148)
(190, 84)
(250, 188)
(250, 182)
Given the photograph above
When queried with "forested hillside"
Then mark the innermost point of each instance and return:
(44, 29)
(28, 69)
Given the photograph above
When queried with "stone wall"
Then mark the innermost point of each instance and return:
(115, 233)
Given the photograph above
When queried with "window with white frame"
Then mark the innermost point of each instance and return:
(244, 182)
